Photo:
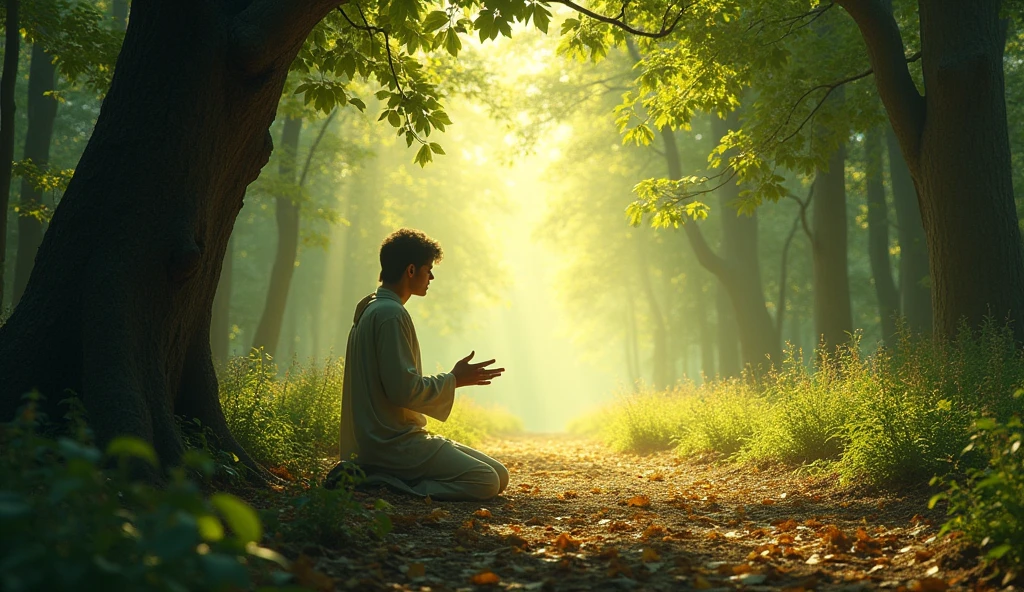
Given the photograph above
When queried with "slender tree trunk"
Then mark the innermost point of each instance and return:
(12, 43)
(739, 272)
(632, 342)
(915, 282)
(728, 337)
(661, 372)
(268, 332)
(220, 325)
(707, 337)
(956, 144)
(878, 238)
(833, 318)
(42, 111)
(118, 307)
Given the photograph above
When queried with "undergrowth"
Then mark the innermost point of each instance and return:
(890, 418)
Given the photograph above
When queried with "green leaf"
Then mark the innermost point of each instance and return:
(210, 528)
(541, 17)
(240, 517)
(998, 552)
(985, 424)
(435, 20)
(357, 103)
(394, 118)
(452, 43)
(132, 447)
(423, 156)
(436, 148)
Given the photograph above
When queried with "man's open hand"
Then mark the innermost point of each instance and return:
(467, 374)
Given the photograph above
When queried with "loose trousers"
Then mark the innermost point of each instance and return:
(454, 473)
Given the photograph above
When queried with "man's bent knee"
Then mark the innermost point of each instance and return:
(484, 485)
(502, 473)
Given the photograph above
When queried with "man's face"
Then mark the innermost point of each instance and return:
(420, 281)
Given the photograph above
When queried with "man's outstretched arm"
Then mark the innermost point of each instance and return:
(403, 384)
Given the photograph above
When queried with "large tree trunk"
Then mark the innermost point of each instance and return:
(118, 306)
(878, 238)
(738, 269)
(12, 42)
(955, 142)
(268, 332)
(833, 319)
(42, 110)
(220, 323)
(915, 283)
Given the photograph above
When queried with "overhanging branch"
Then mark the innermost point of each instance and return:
(668, 21)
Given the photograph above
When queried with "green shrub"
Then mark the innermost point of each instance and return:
(721, 418)
(988, 503)
(291, 421)
(65, 524)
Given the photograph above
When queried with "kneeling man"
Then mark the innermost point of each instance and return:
(385, 394)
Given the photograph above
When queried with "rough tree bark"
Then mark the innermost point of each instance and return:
(833, 319)
(955, 142)
(42, 111)
(118, 306)
(878, 238)
(12, 43)
(268, 332)
(220, 322)
(737, 268)
(915, 283)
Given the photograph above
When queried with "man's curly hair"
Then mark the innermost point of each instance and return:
(405, 246)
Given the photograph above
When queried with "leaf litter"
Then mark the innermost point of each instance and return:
(680, 525)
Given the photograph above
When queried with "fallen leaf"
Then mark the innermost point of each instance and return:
(535, 521)
(308, 577)
(701, 583)
(485, 578)
(650, 555)
(568, 495)
(929, 585)
(416, 570)
(654, 530)
(596, 490)
(923, 555)
(657, 477)
(767, 501)
(564, 542)
(483, 513)
(639, 501)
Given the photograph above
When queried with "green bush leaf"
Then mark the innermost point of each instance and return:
(210, 528)
(132, 447)
(240, 517)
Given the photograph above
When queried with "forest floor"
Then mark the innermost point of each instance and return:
(577, 516)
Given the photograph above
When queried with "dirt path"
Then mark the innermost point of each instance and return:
(577, 516)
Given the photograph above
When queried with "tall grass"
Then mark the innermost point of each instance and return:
(891, 417)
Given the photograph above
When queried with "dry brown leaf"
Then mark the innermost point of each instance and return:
(923, 555)
(596, 490)
(929, 585)
(564, 542)
(484, 578)
(701, 583)
(767, 501)
(657, 477)
(785, 525)
(639, 501)
(650, 555)
(308, 577)
(654, 530)
(482, 513)
(568, 495)
(416, 570)
(535, 521)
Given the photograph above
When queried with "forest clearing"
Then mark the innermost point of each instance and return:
(723, 294)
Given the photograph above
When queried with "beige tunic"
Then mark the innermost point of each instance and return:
(385, 395)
